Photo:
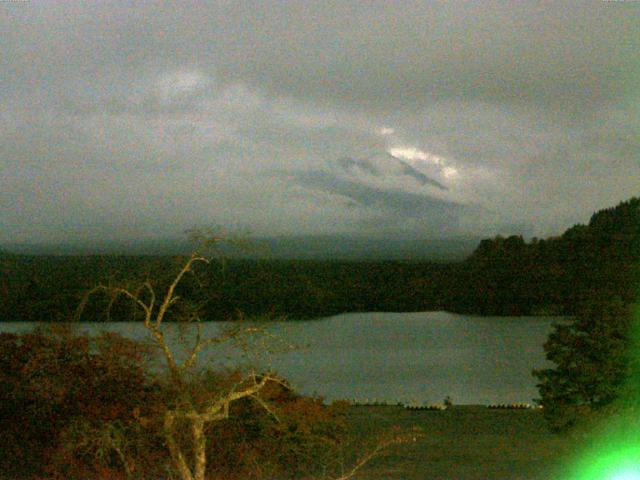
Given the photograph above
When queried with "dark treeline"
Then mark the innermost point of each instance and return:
(503, 276)
(594, 262)
(44, 288)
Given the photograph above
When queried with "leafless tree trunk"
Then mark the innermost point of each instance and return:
(190, 461)
(187, 411)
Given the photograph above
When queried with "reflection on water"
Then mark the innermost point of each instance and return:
(394, 357)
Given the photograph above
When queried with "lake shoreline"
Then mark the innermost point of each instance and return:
(414, 358)
(284, 318)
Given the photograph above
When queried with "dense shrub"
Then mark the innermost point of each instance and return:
(299, 437)
(77, 407)
(50, 383)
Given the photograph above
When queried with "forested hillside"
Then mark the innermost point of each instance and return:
(503, 276)
(597, 261)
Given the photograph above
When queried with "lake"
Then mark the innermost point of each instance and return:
(393, 357)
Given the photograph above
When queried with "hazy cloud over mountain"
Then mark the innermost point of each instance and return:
(121, 119)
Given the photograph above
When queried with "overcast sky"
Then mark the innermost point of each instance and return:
(124, 120)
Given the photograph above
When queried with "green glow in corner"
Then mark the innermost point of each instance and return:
(616, 464)
(627, 475)
(613, 451)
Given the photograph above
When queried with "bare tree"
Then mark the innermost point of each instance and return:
(190, 465)
(188, 454)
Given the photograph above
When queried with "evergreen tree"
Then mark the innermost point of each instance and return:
(592, 357)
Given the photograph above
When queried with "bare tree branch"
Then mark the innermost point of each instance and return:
(169, 298)
(266, 406)
(192, 466)
(174, 449)
(380, 448)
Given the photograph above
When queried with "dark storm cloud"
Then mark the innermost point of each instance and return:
(380, 55)
(562, 54)
(140, 117)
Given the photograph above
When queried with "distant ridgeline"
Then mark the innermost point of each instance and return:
(503, 276)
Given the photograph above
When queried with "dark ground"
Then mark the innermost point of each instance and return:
(462, 443)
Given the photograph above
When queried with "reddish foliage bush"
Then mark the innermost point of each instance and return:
(300, 437)
(78, 407)
(51, 380)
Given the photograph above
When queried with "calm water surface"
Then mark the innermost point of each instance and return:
(394, 357)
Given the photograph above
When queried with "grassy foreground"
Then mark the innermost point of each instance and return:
(463, 443)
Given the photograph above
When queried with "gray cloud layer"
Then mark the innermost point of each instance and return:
(120, 120)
